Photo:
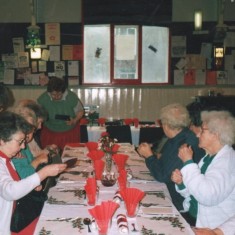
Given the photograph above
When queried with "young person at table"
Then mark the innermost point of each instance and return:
(175, 122)
(209, 187)
(13, 131)
(64, 112)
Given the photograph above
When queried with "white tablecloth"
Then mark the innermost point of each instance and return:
(66, 207)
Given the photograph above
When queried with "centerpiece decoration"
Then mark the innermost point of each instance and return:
(92, 116)
(109, 146)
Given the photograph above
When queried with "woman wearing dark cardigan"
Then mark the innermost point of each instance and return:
(175, 122)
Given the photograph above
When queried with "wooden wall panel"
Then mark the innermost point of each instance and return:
(143, 103)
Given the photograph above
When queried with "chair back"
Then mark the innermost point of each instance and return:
(136, 122)
(150, 134)
(84, 121)
(113, 123)
(128, 121)
(121, 133)
(83, 134)
(146, 122)
(101, 121)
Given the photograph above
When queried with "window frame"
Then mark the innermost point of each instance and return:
(119, 81)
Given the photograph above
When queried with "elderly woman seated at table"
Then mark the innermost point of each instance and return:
(13, 130)
(209, 187)
(41, 115)
(25, 163)
(175, 122)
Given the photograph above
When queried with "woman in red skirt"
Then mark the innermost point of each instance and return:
(64, 112)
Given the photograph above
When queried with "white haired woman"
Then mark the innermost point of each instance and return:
(175, 122)
(209, 187)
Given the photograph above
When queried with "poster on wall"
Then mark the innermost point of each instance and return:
(52, 33)
(54, 53)
(34, 66)
(18, 44)
(42, 66)
(77, 52)
(45, 55)
(73, 81)
(195, 62)
(23, 59)
(178, 46)
(73, 68)
(9, 75)
(32, 79)
(59, 68)
(179, 77)
(10, 60)
(23, 73)
(72, 52)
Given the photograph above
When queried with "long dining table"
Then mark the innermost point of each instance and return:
(66, 208)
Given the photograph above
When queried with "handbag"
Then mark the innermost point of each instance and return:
(27, 209)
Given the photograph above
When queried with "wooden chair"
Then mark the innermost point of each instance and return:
(121, 133)
(150, 134)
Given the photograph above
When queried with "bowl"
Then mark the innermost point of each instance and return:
(108, 180)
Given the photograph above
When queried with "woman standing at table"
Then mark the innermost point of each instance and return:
(209, 187)
(175, 122)
(64, 112)
(13, 130)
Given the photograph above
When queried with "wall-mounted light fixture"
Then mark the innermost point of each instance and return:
(198, 20)
(218, 57)
(35, 53)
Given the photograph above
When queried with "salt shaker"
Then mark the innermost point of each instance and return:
(117, 197)
(122, 224)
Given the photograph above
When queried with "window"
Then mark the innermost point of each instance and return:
(126, 54)
(97, 54)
